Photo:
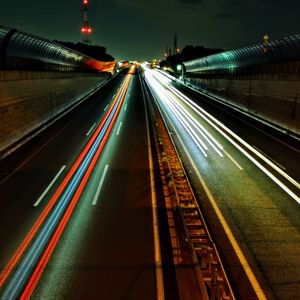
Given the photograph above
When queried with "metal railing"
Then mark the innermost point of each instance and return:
(182, 204)
(283, 50)
(24, 51)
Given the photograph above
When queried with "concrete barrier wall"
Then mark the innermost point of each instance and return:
(276, 101)
(30, 99)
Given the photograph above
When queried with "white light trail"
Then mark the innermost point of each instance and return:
(226, 132)
(188, 116)
(189, 129)
(159, 90)
(203, 114)
(258, 290)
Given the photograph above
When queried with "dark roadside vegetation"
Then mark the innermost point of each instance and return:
(188, 53)
(94, 51)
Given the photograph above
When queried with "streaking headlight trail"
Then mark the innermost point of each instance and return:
(164, 92)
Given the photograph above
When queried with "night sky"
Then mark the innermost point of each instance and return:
(141, 29)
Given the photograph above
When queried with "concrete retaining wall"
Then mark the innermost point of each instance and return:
(30, 99)
(276, 101)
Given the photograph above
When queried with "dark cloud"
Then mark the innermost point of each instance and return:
(255, 18)
(192, 2)
(226, 15)
(287, 6)
(258, 8)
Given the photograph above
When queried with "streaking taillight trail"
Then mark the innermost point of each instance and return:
(65, 198)
(18, 253)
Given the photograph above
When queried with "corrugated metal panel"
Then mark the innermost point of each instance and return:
(286, 49)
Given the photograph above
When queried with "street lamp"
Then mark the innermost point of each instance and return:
(180, 68)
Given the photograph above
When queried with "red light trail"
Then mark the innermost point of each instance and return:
(22, 248)
(51, 246)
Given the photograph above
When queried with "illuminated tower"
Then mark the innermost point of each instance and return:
(86, 30)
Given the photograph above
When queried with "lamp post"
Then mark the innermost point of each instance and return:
(180, 68)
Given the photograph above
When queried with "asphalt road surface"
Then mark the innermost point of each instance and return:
(106, 250)
(251, 177)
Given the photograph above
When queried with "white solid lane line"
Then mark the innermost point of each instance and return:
(100, 185)
(223, 129)
(106, 107)
(248, 270)
(233, 160)
(160, 292)
(119, 128)
(89, 132)
(49, 186)
(254, 282)
(243, 112)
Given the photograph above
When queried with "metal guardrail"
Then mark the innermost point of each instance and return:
(211, 277)
(283, 50)
(24, 51)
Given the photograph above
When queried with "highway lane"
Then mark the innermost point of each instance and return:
(263, 218)
(29, 171)
(107, 249)
(115, 211)
(283, 150)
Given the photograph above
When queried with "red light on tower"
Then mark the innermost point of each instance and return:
(86, 30)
